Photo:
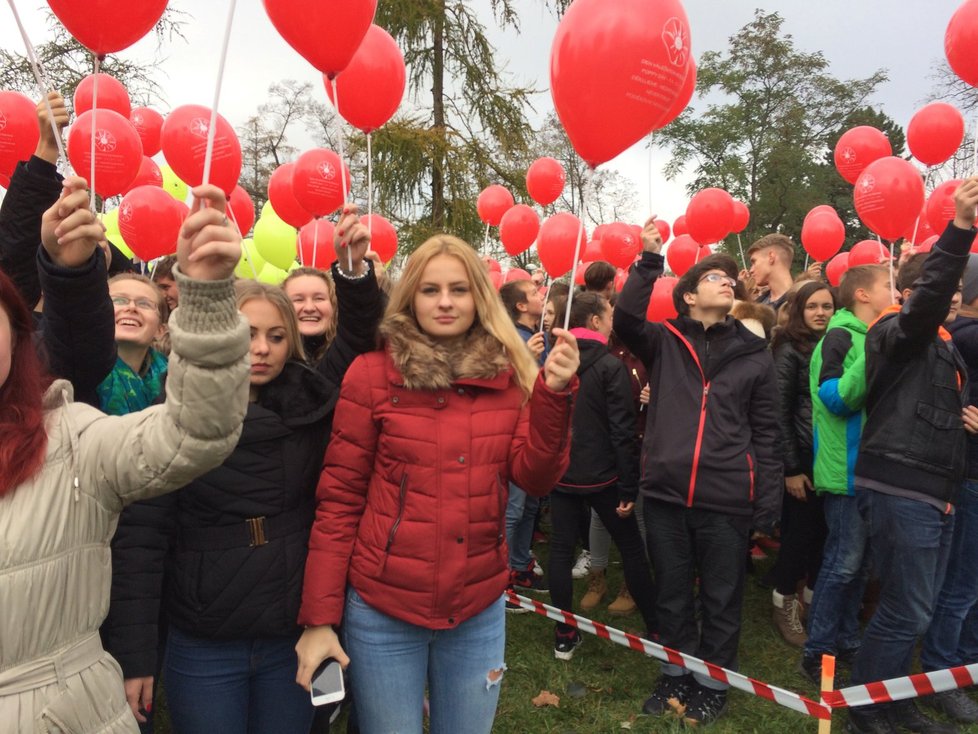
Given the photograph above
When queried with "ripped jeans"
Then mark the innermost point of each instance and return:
(391, 663)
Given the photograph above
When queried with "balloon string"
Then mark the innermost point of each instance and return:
(588, 179)
(740, 246)
(914, 238)
(370, 185)
(546, 298)
(485, 240)
(315, 243)
(212, 127)
(244, 249)
(974, 165)
(806, 262)
(650, 177)
(91, 182)
(41, 80)
(882, 252)
(342, 145)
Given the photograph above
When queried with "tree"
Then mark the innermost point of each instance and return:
(777, 111)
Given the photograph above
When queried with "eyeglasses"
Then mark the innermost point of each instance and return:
(143, 304)
(717, 278)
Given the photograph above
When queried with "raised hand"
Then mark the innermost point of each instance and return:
(651, 238)
(562, 362)
(209, 246)
(965, 200)
(351, 241)
(47, 146)
(70, 232)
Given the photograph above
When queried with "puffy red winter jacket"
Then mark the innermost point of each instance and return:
(412, 498)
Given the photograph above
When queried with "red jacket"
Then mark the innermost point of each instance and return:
(412, 498)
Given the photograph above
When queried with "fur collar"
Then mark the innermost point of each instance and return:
(425, 364)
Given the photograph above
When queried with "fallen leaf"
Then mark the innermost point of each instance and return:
(546, 698)
(626, 725)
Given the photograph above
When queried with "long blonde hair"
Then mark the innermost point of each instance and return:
(489, 310)
(249, 290)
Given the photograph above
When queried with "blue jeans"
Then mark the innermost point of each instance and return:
(234, 686)
(942, 644)
(911, 542)
(520, 511)
(391, 662)
(833, 618)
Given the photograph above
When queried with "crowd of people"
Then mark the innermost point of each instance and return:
(219, 484)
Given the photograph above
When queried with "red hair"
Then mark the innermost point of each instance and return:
(23, 440)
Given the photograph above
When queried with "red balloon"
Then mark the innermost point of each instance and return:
(4, 181)
(633, 55)
(493, 202)
(836, 267)
(888, 196)
(599, 231)
(935, 132)
(316, 244)
(149, 125)
(679, 226)
(580, 270)
(19, 131)
(940, 205)
(556, 242)
(149, 220)
(819, 209)
(148, 175)
(118, 152)
(619, 245)
(661, 306)
(928, 244)
(383, 237)
(518, 229)
(281, 194)
(184, 143)
(317, 183)
(112, 95)
(497, 279)
(592, 251)
(326, 33)
(960, 41)
(683, 98)
(108, 26)
(921, 229)
(867, 252)
(703, 252)
(492, 265)
(741, 217)
(857, 148)
(822, 235)
(242, 210)
(682, 253)
(371, 87)
(514, 274)
(709, 215)
(663, 226)
(545, 179)
(620, 277)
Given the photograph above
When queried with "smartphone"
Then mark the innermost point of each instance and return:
(327, 683)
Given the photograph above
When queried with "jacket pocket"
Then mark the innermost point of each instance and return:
(401, 501)
(92, 705)
(937, 437)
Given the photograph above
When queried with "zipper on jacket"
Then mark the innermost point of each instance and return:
(397, 520)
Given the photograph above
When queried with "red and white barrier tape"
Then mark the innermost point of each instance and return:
(898, 689)
(733, 679)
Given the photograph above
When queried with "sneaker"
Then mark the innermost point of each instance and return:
(623, 605)
(869, 720)
(905, 716)
(528, 581)
(786, 615)
(582, 566)
(670, 694)
(597, 587)
(512, 607)
(705, 705)
(955, 704)
(566, 643)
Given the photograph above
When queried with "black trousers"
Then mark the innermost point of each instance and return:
(803, 532)
(566, 513)
(686, 543)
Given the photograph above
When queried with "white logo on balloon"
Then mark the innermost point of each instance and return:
(848, 155)
(104, 141)
(675, 36)
(125, 212)
(867, 184)
(327, 171)
(199, 126)
(3, 121)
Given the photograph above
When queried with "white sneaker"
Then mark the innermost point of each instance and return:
(583, 565)
(537, 570)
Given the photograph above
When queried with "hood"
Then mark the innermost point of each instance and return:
(591, 352)
(846, 319)
(299, 395)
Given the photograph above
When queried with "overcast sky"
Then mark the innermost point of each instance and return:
(905, 37)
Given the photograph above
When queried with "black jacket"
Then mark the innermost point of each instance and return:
(964, 334)
(603, 445)
(795, 409)
(711, 437)
(914, 437)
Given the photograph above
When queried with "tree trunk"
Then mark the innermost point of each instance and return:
(438, 120)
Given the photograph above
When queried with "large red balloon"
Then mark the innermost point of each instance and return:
(493, 202)
(928, 244)
(709, 215)
(683, 98)
(592, 251)
(935, 132)
(633, 56)
(242, 209)
(112, 95)
(148, 175)
(19, 131)
(326, 33)
(867, 252)
(519, 228)
(822, 235)
(281, 194)
(619, 245)
(383, 237)
(889, 195)
(820, 209)
(545, 179)
(940, 205)
(149, 220)
(741, 217)
(184, 142)
(555, 244)
(679, 226)
(149, 125)
(317, 181)
(663, 226)
(108, 26)
(961, 40)
(857, 148)
(316, 244)
(836, 267)
(682, 254)
(118, 152)
(661, 306)
(371, 87)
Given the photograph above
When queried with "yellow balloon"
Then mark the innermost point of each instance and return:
(173, 185)
(272, 274)
(245, 269)
(275, 241)
(112, 233)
